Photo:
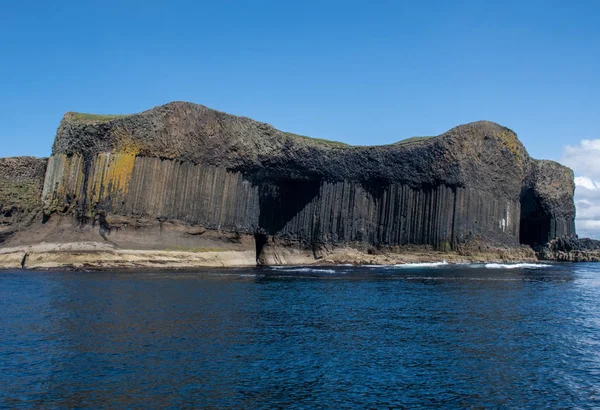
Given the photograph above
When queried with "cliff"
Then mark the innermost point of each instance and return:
(185, 177)
(21, 181)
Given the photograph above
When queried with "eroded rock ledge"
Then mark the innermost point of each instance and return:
(567, 249)
(185, 178)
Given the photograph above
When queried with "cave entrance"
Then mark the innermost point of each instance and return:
(281, 201)
(260, 241)
(535, 222)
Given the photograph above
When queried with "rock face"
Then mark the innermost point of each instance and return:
(567, 249)
(196, 178)
(21, 181)
(547, 207)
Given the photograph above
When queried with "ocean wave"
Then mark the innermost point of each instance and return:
(409, 265)
(516, 265)
(421, 265)
(461, 278)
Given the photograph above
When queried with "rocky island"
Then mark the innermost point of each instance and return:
(182, 185)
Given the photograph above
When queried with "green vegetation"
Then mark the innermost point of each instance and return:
(343, 145)
(94, 118)
(411, 140)
(20, 195)
(318, 140)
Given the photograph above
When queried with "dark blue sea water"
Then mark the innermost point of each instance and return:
(371, 337)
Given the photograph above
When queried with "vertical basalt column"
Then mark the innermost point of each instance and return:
(308, 211)
(343, 212)
(165, 189)
(206, 195)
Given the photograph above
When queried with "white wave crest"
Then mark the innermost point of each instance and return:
(409, 265)
(309, 270)
(516, 265)
(421, 265)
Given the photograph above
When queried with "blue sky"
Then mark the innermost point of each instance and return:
(359, 72)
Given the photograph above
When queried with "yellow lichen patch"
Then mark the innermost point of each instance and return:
(111, 171)
(124, 142)
(110, 176)
(119, 172)
(510, 141)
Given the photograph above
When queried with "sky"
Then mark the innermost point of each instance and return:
(361, 72)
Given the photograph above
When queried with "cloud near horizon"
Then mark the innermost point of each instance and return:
(584, 159)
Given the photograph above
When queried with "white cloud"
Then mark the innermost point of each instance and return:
(587, 184)
(588, 229)
(584, 159)
(587, 211)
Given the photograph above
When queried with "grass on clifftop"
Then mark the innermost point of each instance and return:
(319, 140)
(344, 145)
(411, 140)
(81, 117)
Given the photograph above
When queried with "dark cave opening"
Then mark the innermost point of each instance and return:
(280, 201)
(535, 222)
(260, 241)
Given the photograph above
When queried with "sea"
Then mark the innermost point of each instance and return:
(410, 336)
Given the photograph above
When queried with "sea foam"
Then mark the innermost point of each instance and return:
(410, 265)
(287, 269)
(516, 265)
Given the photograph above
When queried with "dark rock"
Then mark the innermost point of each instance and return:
(183, 163)
(570, 249)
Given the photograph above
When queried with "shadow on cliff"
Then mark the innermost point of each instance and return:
(535, 223)
(281, 201)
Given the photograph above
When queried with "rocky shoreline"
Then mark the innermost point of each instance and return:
(102, 256)
(94, 255)
(566, 249)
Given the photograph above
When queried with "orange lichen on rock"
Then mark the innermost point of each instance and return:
(119, 172)
(110, 176)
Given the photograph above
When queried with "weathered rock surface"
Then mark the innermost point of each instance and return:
(21, 181)
(568, 249)
(183, 176)
(94, 255)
